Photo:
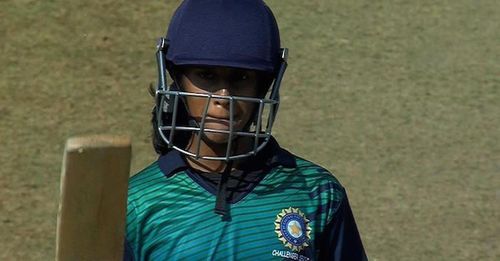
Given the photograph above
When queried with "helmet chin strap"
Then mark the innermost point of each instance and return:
(221, 204)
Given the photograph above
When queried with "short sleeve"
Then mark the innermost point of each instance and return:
(341, 240)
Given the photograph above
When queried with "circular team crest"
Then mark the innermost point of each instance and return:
(293, 229)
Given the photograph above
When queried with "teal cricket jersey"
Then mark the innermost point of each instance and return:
(297, 211)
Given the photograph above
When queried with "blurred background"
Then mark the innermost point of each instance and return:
(399, 98)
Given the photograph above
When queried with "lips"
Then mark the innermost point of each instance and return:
(209, 120)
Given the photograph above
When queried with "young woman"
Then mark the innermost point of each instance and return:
(222, 188)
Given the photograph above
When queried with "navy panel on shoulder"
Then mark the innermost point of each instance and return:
(171, 163)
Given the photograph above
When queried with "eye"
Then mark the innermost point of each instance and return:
(241, 77)
(206, 75)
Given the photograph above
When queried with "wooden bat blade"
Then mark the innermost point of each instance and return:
(92, 208)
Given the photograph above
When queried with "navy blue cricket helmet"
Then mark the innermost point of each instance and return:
(230, 33)
(241, 33)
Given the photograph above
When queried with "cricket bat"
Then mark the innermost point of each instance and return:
(92, 207)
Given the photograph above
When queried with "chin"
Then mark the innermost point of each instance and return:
(216, 138)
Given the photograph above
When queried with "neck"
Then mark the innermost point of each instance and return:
(213, 150)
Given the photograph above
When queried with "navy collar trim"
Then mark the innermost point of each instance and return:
(272, 155)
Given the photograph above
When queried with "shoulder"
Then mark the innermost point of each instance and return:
(321, 180)
(314, 184)
(312, 177)
(144, 180)
(313, 172)
(140, 186)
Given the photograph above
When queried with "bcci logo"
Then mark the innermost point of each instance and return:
(293, 229)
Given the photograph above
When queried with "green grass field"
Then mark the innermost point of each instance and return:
(400, 99)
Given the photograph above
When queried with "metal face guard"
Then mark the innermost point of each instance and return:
(167, 102)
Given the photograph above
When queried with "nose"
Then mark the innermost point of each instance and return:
(222, 92)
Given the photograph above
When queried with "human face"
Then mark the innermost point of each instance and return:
(223, 81)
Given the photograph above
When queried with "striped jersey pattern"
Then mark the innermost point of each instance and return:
(172, 218)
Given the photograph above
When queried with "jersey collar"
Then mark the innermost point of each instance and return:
(271, 156)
